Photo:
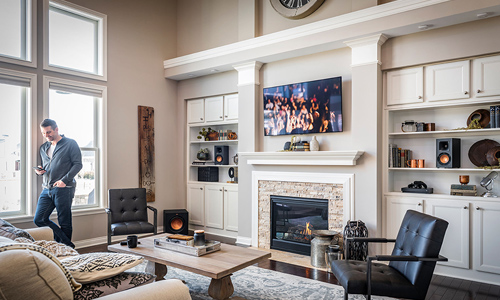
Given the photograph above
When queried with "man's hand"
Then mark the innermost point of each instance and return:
(40, 172)
(59, 183)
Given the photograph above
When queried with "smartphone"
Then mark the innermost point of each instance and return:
(38, 168)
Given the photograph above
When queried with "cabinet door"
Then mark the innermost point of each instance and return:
(231, 207)
(447, 81)
(486, 76)
(214, 109)
(485, 237)
(195, 111)
(396, 210)
(456, 240)
(214, 200)
(196, 203)
(405, 86)
(231, 107)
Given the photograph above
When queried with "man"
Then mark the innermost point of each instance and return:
(61, 160)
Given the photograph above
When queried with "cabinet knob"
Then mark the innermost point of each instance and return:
(220, 117)
(220, 190)
(419, 97)
(225, 116)
(465, 93)
(201, 119)
(478, 208)
(201, 189)
(419, 204)
(466, 207)
(479, 91)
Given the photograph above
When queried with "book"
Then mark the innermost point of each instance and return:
(497, 116)
(391, 147)
(492, 116)
(403, 158)
(398, 158)
(180, 242)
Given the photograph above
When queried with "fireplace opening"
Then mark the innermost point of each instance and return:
(292, 221)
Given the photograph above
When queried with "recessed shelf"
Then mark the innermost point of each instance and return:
(214, 142)
(443, 104)
(212, 183)
(442, 169)
(213, 124)
(441, 196)
(451, 133)
(219, 166)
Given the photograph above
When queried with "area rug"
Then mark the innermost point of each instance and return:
(254, 283)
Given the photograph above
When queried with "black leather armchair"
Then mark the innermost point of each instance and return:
(127, 213)
(411, 266)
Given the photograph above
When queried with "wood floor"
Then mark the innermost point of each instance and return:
(441, 288)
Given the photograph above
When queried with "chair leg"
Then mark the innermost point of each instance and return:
(346, 295)
(109, 239)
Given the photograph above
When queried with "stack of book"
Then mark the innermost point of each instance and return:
(495, 116)
(463, 190)
(203, 162)
(223, 134)
(301, 146)
(398, 157)
(180, 239)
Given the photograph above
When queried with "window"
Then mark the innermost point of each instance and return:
(75, 40)
(16, 32)
(16, 103)
(78, 108)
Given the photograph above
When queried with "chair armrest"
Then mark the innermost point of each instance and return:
(41, 233)
(155, 218)
(369, 240)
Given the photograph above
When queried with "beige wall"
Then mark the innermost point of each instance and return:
(139, 39)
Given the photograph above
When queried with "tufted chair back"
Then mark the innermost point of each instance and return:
(128, 205)
(420, 235)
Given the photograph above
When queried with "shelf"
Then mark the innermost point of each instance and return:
(214, 142)
(211, 183)
(233, 122)
(442, 169)
(451, 133)
(219, 166)
(444, 104)
(305, 158)
(441, 196)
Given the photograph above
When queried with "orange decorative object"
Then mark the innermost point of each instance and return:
(232, 136)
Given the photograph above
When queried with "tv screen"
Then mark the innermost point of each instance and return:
(307, 107)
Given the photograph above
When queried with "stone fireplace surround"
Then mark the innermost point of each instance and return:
(337, 188)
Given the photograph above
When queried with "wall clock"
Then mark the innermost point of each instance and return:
(296, 9)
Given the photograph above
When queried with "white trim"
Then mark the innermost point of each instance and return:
(306, 158)
(366, 50)
(347, 180)
(102, 39)
(243, 241)
(101, 127)
(31, 111)
(248, 73)
(31, 40)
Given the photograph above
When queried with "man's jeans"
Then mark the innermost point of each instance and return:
(60, 199)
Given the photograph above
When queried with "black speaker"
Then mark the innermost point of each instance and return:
(221, 155)
(448, 153)
(175, 221)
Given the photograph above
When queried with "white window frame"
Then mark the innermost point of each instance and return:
(28, 200)
(101, 38)
(100, 133)
(31, 42)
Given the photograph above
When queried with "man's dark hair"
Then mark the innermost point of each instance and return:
(49, 122)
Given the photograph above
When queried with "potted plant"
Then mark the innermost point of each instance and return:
(202, 154)
(208, 134)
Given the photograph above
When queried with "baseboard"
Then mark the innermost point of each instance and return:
(104, 239)
(243, 241)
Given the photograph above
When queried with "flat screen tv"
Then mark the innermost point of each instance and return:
(306, 107)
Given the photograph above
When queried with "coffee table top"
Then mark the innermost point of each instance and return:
(215, 265)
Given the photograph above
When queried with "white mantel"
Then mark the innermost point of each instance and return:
(297, 158)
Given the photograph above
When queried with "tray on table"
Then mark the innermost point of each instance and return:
(210, 246)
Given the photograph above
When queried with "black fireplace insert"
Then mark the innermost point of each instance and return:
(292, 221)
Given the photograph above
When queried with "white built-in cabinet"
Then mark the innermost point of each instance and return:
(445, 94)
(212, 206)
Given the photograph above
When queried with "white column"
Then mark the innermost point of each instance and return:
(248, 116)
(367, 122)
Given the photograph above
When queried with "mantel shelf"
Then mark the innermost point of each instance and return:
(297, 158)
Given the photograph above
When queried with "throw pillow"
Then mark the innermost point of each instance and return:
(8, 230)
(118, 283)
(17, 246)
(57, 249)
(92, 267)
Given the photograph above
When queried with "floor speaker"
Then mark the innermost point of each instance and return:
(448, 153)
(221, 155)
(175, 221)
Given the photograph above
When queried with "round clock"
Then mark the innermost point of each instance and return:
(296, 9)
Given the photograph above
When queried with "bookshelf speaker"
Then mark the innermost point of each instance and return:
(175, 221)
(221, 155)
(448, 153)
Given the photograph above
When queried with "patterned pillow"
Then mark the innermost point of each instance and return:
(57, 249)
(118, 283)
(92, 267)
(16, 246)
(11, 232)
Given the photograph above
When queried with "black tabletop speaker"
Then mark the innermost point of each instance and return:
(448, 153)
(175, 221)
(221, 155)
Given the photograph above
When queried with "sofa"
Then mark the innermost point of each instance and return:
(27, 272)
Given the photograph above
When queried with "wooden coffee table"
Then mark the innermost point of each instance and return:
(218, 265)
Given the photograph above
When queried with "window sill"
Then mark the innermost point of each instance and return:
(75, 213)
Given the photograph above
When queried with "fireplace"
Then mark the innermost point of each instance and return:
(292, 221)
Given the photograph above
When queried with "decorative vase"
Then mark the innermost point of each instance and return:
(202, 156)
(213, 136)
(314, 144)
